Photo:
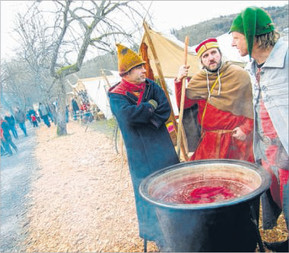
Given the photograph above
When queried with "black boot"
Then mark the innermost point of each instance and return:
(277, 246)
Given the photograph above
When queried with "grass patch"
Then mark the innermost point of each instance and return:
(103, 126)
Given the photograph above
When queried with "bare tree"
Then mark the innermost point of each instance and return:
(35, 49)
(77, 26)
(16, 85)
(26, 79)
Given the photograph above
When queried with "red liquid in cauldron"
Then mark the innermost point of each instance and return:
(206, 192)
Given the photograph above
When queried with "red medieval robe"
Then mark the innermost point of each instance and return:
(228, 105)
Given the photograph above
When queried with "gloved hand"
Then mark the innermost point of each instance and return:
(183, 72)
(153, 103)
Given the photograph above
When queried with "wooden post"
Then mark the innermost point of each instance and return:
(106, 80)
(179, 140)
(163, 84)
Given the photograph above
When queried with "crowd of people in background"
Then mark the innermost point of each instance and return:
(12, 122)
(81, 109)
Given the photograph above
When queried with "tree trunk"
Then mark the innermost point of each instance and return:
(61, 104)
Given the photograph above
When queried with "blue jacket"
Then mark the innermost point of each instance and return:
(148, 144)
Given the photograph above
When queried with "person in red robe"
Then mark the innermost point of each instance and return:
(222, 92)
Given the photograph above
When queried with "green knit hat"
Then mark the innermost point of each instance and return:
(251, 22)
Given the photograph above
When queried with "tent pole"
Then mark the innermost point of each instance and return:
(181, 112)
(163, 84)
(105, 78)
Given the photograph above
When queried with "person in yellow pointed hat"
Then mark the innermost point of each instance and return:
(254, 34)
(127, 59)
(141, 109)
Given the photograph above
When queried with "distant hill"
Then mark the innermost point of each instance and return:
(94, 67)
(218, 26)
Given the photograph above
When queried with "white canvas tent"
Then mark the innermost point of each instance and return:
(170, 54)
(96, 88)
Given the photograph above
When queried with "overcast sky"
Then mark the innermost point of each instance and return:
(176, 14)
(166, 15)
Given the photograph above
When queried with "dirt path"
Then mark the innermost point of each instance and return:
(82, 200)
(16, 177)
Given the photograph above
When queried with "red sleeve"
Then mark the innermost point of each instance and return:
(178, 90)
(247, 126)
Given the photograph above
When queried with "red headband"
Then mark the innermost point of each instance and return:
(205, 45)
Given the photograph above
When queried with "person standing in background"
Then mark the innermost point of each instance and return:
(12, 124)
(43, 112)
(34, 120)
(20, 119)
(6, 138)
(75, 108)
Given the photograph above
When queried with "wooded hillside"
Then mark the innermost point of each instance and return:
(218, 26)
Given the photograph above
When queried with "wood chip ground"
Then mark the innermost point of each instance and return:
(82, 198)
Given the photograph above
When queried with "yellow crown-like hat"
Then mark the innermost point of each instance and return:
(205, 45)
(127, 59)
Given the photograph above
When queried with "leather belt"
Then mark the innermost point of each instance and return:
(220, 131)
(218, 139)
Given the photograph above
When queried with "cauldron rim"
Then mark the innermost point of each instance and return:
(265, 184)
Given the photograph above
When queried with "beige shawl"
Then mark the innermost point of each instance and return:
(235, 89)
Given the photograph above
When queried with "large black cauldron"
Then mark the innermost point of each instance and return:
(222, 225)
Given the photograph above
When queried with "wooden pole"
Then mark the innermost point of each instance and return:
(105, 78)
(179, 139)
(163, 84)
